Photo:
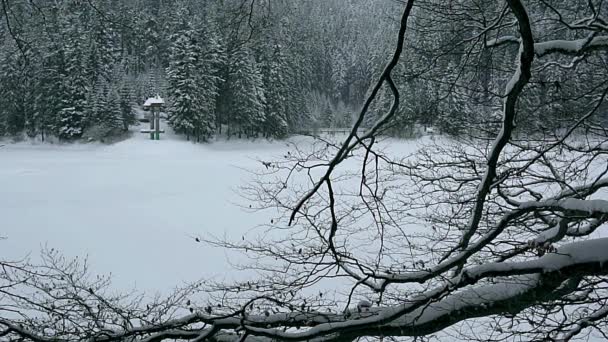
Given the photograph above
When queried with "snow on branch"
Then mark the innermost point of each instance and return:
(582, 324)
(510, 295)
(533, 278)
(567, 47)
(502, 40)
(589, 207)
(519, 285)
(570, 47)
(522, 285)
(597, 209)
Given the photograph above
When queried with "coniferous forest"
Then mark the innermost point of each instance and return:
(74, 69)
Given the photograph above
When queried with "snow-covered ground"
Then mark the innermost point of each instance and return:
(133, 207)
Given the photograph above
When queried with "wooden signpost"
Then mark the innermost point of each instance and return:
(154, 105)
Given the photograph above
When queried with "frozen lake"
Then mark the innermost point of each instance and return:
(133, 208)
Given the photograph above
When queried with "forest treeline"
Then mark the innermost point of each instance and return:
(248, 68)
(77, 68)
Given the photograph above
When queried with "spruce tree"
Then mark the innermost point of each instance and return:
(211, 59)
(127, 114)
(327, 116)
(108, 113)
(113, 112)
(12, 111)
(274, 68)
(189, 88)
(246, 94)
(73, 91)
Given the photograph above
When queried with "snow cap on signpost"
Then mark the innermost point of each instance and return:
(154, 105)
(156, 101)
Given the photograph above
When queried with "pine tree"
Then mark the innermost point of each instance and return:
(191, 88)
(209, 79)
(183, 87)
(48, 102)
(74, 106)
(246, 94)
(127, 114)
(113, 111)
(327, 117)
(73, 91)
(101, 51)
(12, 111)
(274, 68)
(108, 113)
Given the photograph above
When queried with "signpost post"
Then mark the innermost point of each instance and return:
(154, 105)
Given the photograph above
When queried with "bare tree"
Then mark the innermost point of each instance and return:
(479, 238)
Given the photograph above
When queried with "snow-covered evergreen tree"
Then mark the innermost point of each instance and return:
(277, 92)
(74, 87)
(246, 94)
(192, 87)
(110, 112)
(12, 111)
(102, 51)
(126, 106)
(327, 116)
(113, 111)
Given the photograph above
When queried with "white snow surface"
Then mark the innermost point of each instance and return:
(134, 208)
